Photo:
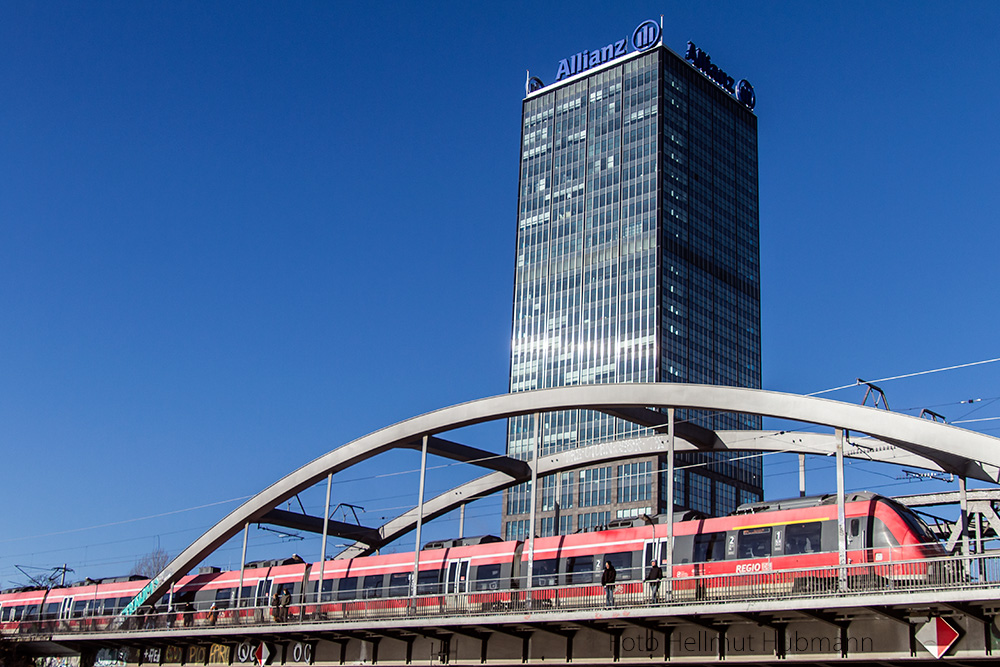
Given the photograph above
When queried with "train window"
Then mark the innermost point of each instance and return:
(681, 553)
(883, 539)
(709, 547)
(429, 582)
(916, 525)
(246, 596)
(803, 538)
(347, 588)
(487, 577)
(122, 603)
(580, 570)
(51, 610)
(325, 591)
(545, 572)
(80, 608)
(223, 597)
(754, 543)
(399, 584)
(372, 586)
(622, 562)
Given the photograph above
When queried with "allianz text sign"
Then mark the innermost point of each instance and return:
(645, 36)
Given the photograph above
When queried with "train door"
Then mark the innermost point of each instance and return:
(655, 549)
(858, 542)
(262, 598)
(66, 609)
(456, 583)
(457, 580)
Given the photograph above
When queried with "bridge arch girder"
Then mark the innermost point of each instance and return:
(956, 450)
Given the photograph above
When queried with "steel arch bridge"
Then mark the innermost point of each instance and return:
(895, 438)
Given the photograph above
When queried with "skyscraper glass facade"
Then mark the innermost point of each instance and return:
(637, 261)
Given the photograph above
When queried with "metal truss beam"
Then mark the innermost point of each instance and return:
(447, 449)
(948, 497)
(314, 524)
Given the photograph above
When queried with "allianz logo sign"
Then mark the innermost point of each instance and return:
(742, 91)
(645, 36)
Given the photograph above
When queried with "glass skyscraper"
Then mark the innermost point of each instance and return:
(637, 261)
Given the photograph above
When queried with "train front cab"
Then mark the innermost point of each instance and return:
(796, 550)
(778, 551)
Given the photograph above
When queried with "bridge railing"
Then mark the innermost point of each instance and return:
(951, 573)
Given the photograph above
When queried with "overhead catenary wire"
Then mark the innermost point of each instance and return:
(909, 375)
(123, 521)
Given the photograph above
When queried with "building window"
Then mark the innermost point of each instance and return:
(519, 499)
(516, 530)
(594, 487)
(548, 493)
(633, 512)
(593, 521)
(747, 496)
(567, 486)
(700, 493)
(725, 498)
(679, 486)
(635, 481)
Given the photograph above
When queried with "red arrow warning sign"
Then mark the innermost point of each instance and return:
(937, 636)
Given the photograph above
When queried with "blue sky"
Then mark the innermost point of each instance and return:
(236, 235)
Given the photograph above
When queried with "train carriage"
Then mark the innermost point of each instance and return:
(85, 605)
(21, 607)
(449, 572)
(764, 549)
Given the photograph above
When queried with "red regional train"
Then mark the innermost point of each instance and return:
(762, 549)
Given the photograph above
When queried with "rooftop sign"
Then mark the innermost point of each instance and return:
(645, 36)
(742, 91)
